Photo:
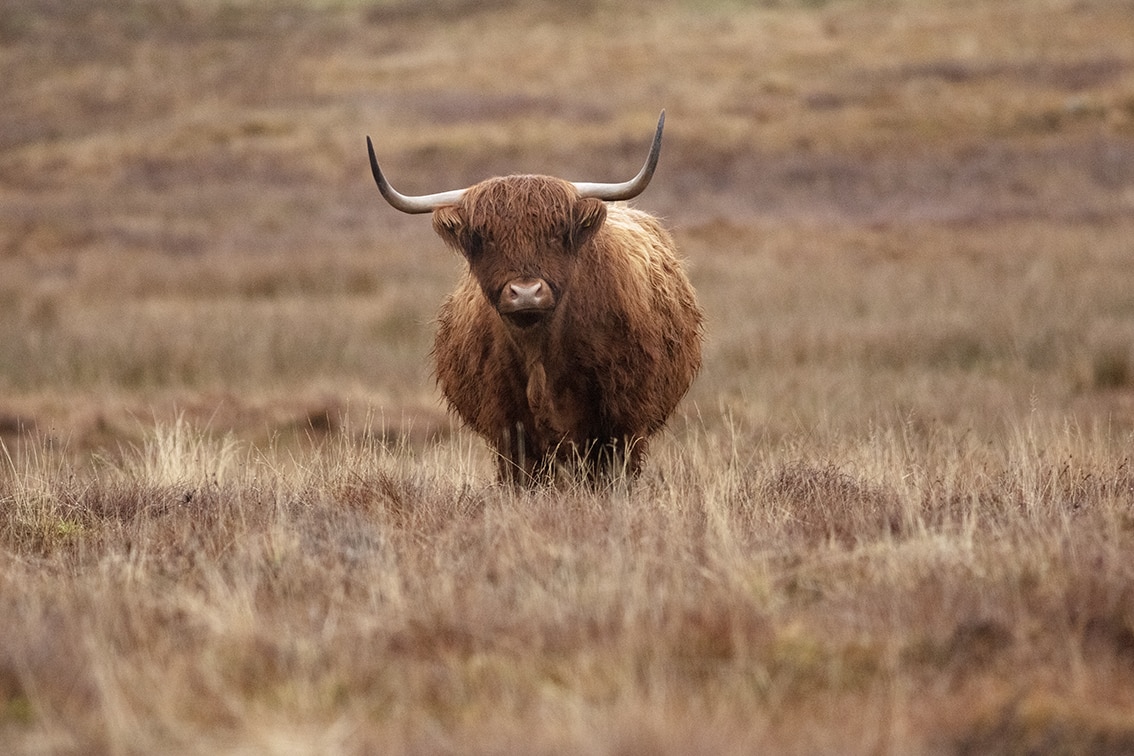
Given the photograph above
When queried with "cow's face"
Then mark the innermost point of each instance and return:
(521, 236)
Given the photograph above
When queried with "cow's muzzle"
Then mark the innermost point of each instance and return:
(526, 301)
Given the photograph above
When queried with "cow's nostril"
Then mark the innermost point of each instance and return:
(526, 295)
(530, 291)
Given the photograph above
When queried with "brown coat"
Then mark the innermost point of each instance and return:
(603, 345)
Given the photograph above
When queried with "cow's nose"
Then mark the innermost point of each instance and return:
(526, 295)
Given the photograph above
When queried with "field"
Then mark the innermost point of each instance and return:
(895, 514)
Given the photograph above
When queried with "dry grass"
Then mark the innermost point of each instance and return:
(201, 594)
(895, 514)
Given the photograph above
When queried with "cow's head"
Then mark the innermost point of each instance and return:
(521, 234)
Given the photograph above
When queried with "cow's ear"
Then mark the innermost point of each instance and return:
(449, 224)
(589, 216)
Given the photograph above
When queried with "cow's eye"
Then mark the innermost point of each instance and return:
(474, 244)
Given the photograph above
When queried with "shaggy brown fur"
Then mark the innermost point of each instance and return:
(583, 384)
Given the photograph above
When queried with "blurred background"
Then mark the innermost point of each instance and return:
(914, 213)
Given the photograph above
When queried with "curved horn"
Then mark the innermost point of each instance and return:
(425, 203)
(633, 187)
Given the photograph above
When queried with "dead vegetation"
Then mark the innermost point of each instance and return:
(199, 596)
(895, 514)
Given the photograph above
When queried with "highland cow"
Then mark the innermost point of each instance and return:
(573, 333)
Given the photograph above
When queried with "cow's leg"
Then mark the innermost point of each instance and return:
(519, 462)
(617, 459)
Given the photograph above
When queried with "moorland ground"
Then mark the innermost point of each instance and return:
(894, 514)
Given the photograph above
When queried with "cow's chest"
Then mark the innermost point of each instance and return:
(560, 406)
